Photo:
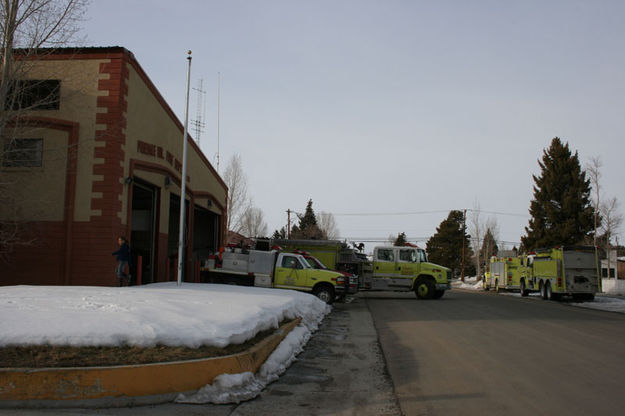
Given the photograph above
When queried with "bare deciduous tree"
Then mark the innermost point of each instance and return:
(26, 26)
(612, 221)
(238, 199)
(253, 223)
(327, 225)
(31, 25)
(593, 168)
(476, 230)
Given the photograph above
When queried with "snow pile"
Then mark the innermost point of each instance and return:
(190, 315)
(603, 303)
(235, 388)
(470, 283)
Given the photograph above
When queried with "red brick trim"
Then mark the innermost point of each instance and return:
(113, 136)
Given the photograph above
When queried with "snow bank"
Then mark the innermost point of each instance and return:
(235, 388)
(470, 283)
(603, 303)
(190, 315)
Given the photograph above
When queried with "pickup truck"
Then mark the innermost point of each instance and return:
(273, 269)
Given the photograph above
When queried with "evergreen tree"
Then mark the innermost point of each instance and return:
(445, 246)
(307, 228)
(561, 212)
(279, 234)
(400, 240)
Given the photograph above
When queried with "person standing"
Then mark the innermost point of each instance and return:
(123, 260)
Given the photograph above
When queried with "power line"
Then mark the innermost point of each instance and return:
(389, 214)
(382, 214)
(409, 238)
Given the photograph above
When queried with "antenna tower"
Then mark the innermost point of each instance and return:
(198, 124)
(218, 115)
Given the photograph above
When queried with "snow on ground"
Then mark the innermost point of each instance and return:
(163, 313)
(602, 302)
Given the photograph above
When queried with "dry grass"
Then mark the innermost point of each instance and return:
(46, 356)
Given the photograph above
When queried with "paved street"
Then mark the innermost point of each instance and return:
(488, 354)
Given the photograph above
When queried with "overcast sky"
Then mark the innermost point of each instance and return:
(389, 107)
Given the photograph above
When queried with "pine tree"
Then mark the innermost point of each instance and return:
(445, 246)
(307, 227)
(561, 212)
(279, 234)
(400, 240)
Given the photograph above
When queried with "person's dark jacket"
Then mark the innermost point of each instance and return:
(123, 254)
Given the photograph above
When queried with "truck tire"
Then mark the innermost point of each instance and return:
(325, 293)
(523, 290)
(424, 289)
(438, 294)
(549, 295)
(543, 291)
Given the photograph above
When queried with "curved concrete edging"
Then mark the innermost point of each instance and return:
(128, 384)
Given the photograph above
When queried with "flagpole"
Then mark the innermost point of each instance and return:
(183, 179)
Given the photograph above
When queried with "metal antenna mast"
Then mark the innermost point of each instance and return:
(198, 124)
(218, 111)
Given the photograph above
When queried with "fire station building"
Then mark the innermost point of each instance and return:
(102, 160)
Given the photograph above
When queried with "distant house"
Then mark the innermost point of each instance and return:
(616, 267)
(239, 240)
(103, 161)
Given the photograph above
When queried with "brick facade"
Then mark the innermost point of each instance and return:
(76, 249)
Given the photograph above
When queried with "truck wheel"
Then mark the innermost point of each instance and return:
(438, 294)
(524, 292)
(325, 293)
(543, 291)
(424, 289)
(549, 292)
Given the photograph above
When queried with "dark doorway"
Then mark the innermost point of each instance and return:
(143, 230)
(205, 233)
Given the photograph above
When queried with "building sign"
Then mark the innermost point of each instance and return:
(158, 152)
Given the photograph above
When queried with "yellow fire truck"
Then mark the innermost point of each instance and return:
(562, 271)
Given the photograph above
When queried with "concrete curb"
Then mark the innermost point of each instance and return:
(128, 384)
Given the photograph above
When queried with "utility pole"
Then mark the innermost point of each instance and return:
(464, 231)
(616, 261)
(288, 224)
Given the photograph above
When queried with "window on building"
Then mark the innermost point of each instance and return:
(23, 153)
(35, 94)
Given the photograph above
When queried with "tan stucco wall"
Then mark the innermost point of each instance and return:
(79, 91)
(160, 130)
(40, 194)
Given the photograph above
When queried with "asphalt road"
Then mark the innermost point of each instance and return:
(486, 354)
